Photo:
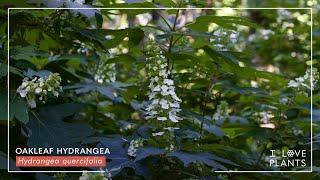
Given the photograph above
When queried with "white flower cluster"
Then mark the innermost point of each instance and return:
(283, 14)
(40, 87)
(304, 82)
(260, 34)
(133, 147)
(170, 148)
(106, 73)
(83, 48)
(103, 71)
(222, 37)
(222, 112)
(92, 176)
(165, 104)
(264, 117)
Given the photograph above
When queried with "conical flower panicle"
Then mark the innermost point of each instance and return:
(164, 103)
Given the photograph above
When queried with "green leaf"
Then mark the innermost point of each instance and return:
(116, 36)
(18, 108)
(47, 43)
(85, 88)
(135, 36)
(145, 152)
(228, 22)
(32, 36)
(228, 63)
(4, 70)
(22, 18)
(198, 119)
(124, 59)
(26, 53)
(49, 128)
(166, 3)
(183, 57)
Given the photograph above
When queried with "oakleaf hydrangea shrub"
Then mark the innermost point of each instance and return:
(39, 88)
(171, 117)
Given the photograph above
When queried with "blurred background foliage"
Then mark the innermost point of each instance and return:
(231, 68)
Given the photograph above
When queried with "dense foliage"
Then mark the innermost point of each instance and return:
(174, 94)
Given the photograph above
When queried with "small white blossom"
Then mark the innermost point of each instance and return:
(171, 129)
(169, 82)
(170, 148)
(32, 103)
(38, 90)
(156, 89)
(55, 93)
(284, 100)
(22, 92)
(268, 125)
(109, 37)
(158, 133)
(162, 118)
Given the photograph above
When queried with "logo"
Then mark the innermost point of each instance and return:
(289, 158)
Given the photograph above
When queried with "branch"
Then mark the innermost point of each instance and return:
(171, 39)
